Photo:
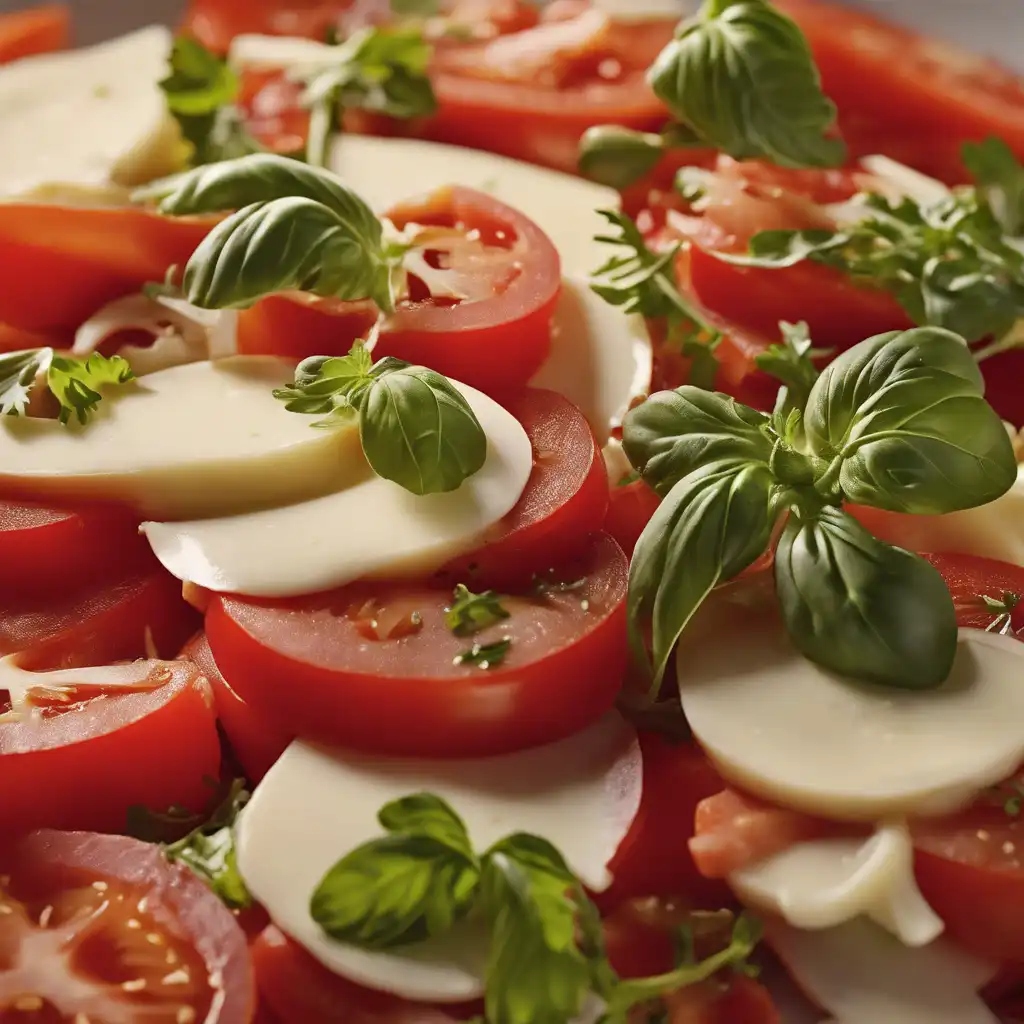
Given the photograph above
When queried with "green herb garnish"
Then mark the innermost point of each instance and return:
(471, 612)
(1002, 608)
(485, 656)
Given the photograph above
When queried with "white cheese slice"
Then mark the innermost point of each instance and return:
(314, 806)
(600, 359)
(859, 974)
(826, 882)
(90, 117)
(375, 527)
(195, 440)
(786, 729)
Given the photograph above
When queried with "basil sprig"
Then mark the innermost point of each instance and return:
(295, 227)
(416, 427)
(546, 948)
(898, 422)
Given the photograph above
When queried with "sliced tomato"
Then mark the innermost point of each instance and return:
(630, 508)
(737, 1000)
(254, 740)
(565, 499)
(910, 96)
(129, 617)
(37, 30)
(80, 755)
(374, 666)
(297, 325)
(104, 928)
(216, 22)
(62, 263)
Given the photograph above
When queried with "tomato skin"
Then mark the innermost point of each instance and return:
(405, 696)
(216, 22)
(630, 508)
(741, 1000)
(255, 742)
(297, 326)
(86, 766)
(176, 900)
(36, 30)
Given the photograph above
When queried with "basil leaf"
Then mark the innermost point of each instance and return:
(862, 608)
(792, 363)
(711, 525)
(617, 156)
(740, 73)
(404, 887)
(288, 244)
(674, 433)
(1000, 180)
(903, 423)
(966, 296)
(418, 430)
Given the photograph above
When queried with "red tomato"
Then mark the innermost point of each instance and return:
(297, 325)
(372, 665)
(46, 551)
(909, 96)
(255, 742)
(37, 30)
(565, 499)
(738, 1000)
(216, 22)
(80, 756)
(63, 263)
(123, 619)
(630, 509)
(116, 932)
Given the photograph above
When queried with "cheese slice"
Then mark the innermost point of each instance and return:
(824, 883)
(600, 359)
(195, 440)
(316, 805)
(859, 974)
(375, 527)
(90, 118)
(786, 729)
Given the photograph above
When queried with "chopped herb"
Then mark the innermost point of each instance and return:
(472, 612)
(1002, 608)
(628, 478)
(485, 656)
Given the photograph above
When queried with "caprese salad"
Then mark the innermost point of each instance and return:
(510, 513)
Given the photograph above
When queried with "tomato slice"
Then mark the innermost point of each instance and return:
(37, 30)
(103, 928)
(630, 508)
(216, 22)
(62, 263)
(564, 501)
(254, 740)
(373, 665)
(78, 755)
(127, 618)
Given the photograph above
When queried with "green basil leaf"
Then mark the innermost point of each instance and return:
(903, 423)
(1000, 180)
(283, 245)
(710, 526)
(968, 296)
(741, 74)
(471, 612)
(426, 814)
(617, 156)
(862, 608)
(418, 430)
(674, 433)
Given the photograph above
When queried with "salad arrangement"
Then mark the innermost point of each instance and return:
(510, 514)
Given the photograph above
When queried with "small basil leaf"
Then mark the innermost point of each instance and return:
(1000, 181)
(862, 608)
(711, 525)
(617, 156)
(471, 612)
(676, 432)
(283, 245)
(419, 431)
(741, 74)
(903, 422)
(426, 814)
(792, 363)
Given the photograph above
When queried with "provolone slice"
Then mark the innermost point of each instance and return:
(195, 440)
(373, 528)
(316, 805)
(824, 883)
(786, 729)
(859, 974)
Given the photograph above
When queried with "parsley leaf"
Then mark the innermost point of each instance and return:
(792, 363)
(485, 655)
(18, 374)
(471, 612)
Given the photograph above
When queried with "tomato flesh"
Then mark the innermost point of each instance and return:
(630, 509)
(38, 30)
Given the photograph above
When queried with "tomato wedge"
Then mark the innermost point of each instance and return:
(374, 666)
(114, 932)
(79, 754)
(37, 30)
(254, 741)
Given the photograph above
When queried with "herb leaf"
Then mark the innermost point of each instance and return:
(741, 75)
(1000, 181)
(74, 382)
(617, 156)
(486, 656)
(18, 374)
(792, 363)
(410, 884)
(471, 612)
(861, 607)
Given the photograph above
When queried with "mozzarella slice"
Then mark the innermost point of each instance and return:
(316, 805)
(375, 527)
(827, 882)
(90, 117)
(564, 206)
(600, 359)
(858, 974)
(786, 729)
(195, 440)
